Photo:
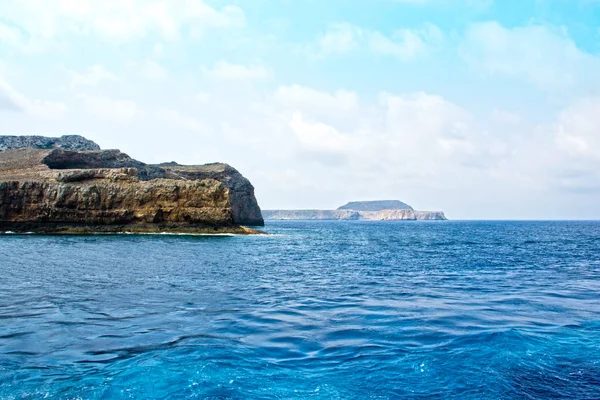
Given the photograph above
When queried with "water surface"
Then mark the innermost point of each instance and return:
(332, 310)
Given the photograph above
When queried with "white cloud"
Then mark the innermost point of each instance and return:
(575, 164)
(315, 101)
(13, 100)
(9, 98)
(224, 70)
(425, 145)
(415, 132)
(158, 50)
(203, 98)
(336, 147)
(327, 147)
(432, 114)
(404, 44)
(117, 19)
(317, 136)
(9, 35)
(578, 129)
(93, 76)
(426, 131)
(506, 117)
(544, 56)
(106, 107)
(182, 121)
(153, 70)
(339, 38)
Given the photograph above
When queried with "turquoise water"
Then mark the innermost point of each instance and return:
(331, 310)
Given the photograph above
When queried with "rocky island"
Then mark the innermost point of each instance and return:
(379, 210)
(69, 185)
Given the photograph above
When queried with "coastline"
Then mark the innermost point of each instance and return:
(354, 215)
(139, 229)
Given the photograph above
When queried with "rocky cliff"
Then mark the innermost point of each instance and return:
(67, 142)
(342, 215)
(377, 205)
(368, 211)
(53, 186)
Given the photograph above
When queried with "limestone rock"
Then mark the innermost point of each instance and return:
(244, 207)
(60, 190)
(377, 205)
(360, 210)
(67, 142)
(342, 215)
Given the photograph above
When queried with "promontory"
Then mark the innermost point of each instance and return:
(69, 185)
(378, 210)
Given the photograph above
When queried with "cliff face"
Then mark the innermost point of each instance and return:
(377, 205)
(68, 142)
(349, 215)
(404, 215)
(65, 191)
(368, 211)
(244, 207)
(342, 215)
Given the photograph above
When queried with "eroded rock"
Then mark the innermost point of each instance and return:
(360, 210)
(58, 190)
(67, 142)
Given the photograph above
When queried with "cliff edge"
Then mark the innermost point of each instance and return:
(379, 210)
(69, 185)
(67, 142)
(376, 205)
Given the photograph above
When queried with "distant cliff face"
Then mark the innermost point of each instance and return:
(405, 215)
(59, 190)
(360, 210)
(350, 215)
(311, 215)
(377, 205)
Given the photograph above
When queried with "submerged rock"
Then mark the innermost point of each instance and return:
(58, 189)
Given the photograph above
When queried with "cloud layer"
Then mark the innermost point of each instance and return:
(483, 119)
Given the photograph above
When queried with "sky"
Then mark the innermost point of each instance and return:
(485, 109)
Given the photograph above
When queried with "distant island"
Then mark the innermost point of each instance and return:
(69, 185)
(379, 210)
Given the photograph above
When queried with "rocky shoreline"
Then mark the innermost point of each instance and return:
(68, 186)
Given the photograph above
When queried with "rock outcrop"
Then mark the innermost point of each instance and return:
(377, 205)
(67, 142)
(342, 215)
(59, 189)
(367, 211)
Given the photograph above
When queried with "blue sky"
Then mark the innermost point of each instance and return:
(482, 108)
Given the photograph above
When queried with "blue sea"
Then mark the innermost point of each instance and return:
(324, 310)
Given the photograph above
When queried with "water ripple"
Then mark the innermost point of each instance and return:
(347, 310)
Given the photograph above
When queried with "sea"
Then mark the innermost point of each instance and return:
(314, 310)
